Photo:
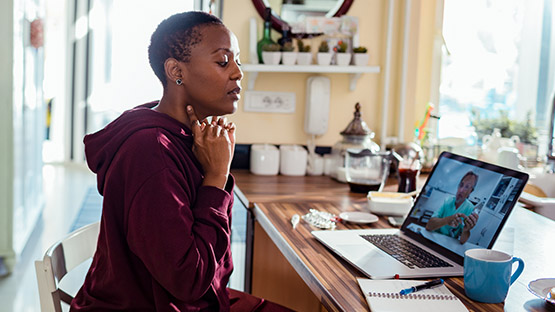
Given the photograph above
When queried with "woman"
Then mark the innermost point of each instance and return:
(164, 241)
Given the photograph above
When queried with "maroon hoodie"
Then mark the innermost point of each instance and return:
(164, 240)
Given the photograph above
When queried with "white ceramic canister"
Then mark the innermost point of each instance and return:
(315, 165)
(293, 160)
(264, 159)
(329, 164)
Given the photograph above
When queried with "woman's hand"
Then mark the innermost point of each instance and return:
(214, 144)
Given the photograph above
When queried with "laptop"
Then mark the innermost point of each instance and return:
(439, 227)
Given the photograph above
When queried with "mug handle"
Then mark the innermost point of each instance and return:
(519, 270)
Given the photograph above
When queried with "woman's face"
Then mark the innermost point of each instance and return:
(212, 77)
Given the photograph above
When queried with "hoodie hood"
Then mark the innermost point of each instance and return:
(102, 146)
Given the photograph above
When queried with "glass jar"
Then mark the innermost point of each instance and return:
(365, 170)
(356, 135)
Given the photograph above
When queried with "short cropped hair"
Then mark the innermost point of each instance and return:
(471, 174)
(174, 37)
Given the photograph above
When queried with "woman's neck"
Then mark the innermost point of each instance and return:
(174, 107)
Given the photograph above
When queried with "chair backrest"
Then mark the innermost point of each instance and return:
(60, 259)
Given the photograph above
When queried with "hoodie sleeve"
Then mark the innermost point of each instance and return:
(180, 243)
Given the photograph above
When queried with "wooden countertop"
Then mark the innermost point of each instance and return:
(275, 199)
(278, 188)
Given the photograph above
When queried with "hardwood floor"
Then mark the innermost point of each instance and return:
(65, 186)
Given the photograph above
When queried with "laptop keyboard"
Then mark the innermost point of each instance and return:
(405, 251)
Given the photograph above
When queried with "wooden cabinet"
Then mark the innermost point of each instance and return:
(274, 279)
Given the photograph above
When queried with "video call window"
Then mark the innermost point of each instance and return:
(459, 193)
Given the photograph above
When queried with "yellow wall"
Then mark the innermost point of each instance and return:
(289, 128)
(427, 29)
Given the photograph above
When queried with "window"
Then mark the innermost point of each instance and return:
(497, 59)
(121, 77)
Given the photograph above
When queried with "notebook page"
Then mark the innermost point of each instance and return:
(383, 295)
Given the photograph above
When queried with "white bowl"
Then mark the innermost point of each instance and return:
(389, 203)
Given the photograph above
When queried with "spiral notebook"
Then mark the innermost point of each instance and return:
(383, 295)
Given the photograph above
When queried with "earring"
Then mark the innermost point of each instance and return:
(179, 81)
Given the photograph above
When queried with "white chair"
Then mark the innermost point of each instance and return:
(61, 258)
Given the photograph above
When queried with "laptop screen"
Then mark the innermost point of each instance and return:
(464, 203)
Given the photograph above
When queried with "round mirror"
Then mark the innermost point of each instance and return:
(285, 12)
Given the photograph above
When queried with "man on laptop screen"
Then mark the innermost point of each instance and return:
(458, 215)
(463, 205)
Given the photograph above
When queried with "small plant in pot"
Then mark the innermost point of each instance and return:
(288, 54)
(343, 58)
(271, 54)
(304, 57)
(360, 56)
(324, 55)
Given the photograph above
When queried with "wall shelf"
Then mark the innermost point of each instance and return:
(354, 71)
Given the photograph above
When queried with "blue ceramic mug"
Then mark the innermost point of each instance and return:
(487, 274)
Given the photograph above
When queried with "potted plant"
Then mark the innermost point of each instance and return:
(360, 56)
(288, 54)
(342, 57)
(526, 132)
(324, 55)
(271, 54)
(304, 57)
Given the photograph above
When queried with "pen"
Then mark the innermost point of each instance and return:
(426, 285)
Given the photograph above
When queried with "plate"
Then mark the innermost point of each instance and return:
(358, 217)
(541, 288)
